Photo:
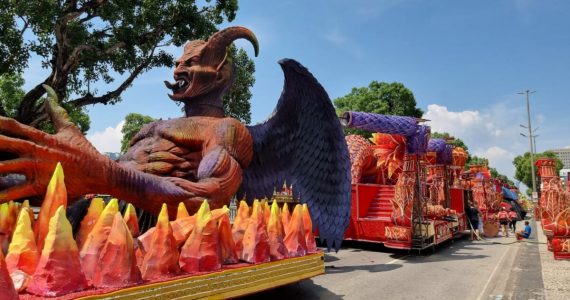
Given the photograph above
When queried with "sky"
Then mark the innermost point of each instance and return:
(465, 62)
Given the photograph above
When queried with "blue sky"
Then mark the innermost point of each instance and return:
(464, 61)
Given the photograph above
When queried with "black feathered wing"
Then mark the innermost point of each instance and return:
(302, 143)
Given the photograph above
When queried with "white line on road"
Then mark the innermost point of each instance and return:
(395, 260)
(493, 274)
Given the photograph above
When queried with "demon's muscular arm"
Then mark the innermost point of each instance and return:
(202, 155)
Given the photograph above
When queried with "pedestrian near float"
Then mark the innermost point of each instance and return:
(524, 234)
(514, 218)
(474, 220)
(504, 221)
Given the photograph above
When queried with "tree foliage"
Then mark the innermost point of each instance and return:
(133, 124)
(476, 161)
(523, 171)
(12, 94)
(236, 100)
(380, 98)
(87, 41)
(456, 142)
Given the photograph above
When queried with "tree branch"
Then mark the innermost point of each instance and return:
(26, 112)
(73, 58)
(109, 96)
(25, 27)
(72, 12)
(2, 110)
(87, 18)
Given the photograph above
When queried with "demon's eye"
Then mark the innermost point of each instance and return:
(192, 61)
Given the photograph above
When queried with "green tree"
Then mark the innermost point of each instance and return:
(476, 161)
(236, 100)
(133, 124)
(12, 93)
(88, 41)
(523, 171)
(456, 142)
(380, 98)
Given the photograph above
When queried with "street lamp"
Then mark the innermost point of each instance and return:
(534, 136)
(534, 193)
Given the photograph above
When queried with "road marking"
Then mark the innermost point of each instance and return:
(395, 260)
(493, 274)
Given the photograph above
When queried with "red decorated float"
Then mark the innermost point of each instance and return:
(554, 209)
(407, 189)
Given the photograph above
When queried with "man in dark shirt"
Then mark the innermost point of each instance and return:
(474, 220)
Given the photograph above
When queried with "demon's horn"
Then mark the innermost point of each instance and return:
(218, 43)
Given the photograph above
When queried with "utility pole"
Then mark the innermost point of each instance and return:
(527, 92)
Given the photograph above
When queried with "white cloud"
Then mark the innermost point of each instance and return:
(108, 140)
(343, 42)
(491, 132)
(495, 153)
(443, 120)
(335, 36)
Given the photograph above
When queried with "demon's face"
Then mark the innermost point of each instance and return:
(204, 68)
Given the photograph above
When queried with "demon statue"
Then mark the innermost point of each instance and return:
(204, 154)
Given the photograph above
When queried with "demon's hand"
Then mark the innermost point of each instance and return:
(38, 152)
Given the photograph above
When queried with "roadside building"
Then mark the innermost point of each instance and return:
(564, 155)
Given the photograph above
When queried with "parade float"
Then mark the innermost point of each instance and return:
(554, 209)
(170, 235)
(407, 189)
(487, 197)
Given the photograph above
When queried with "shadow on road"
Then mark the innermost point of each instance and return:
(305, 289)
(457, 250)
(370, 268)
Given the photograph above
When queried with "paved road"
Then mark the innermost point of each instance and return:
(497, 268)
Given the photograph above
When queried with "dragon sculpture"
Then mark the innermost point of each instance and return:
(203, 154)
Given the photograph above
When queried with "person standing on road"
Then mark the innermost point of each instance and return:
(504, 221)
(474, 220)
(514, 218)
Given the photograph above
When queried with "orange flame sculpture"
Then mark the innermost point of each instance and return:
(276, 233)
(95, 209)
(182, 212)
(308, 226)
(117, 265)
(181, 229)
(56, 195)
(131, 220)
(8, 217)
(59, 253)
(295, 234)
(201, 252)
(285, 216)
(96, 239)
(255, 239)
(8, 290)
(111, 257)
(229, 254)
(161, 257)
(23, 254)
(266, 211)
(240, 225)
(26, 204)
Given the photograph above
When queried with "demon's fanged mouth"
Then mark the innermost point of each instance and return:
(180, 85)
